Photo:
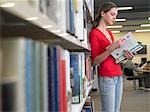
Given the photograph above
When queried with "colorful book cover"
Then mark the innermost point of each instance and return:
(56, 77)
(51, 87)
(71, 15)
(62, 79)
(74, 64)
(28, 74)
(36, 86)
(53, 76)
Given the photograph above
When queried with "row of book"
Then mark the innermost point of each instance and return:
(40, 77)
(70, 15)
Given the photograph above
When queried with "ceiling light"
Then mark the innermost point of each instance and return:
(147, 30)
(116, 26)
(124, 8)
(10, 4)
(47, 26)
(32, 18)
(120, 20)
(115, 31)
(145, 25)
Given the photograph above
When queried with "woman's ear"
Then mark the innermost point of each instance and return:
(102, 13)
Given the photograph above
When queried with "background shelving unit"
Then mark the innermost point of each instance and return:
(14, 23)
(16, 16)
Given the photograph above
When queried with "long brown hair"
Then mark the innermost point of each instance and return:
(107, 6)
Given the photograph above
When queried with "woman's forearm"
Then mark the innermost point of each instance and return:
(100, 58)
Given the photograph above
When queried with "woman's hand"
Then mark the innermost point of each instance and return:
(113, 46)
(128, 54)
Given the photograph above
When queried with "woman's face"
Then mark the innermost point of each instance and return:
(110, 16)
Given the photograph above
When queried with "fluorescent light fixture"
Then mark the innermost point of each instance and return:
(56, 31)
(145, 25)
(115, 26)
(120, 20)
(32, 18)
(47, 26)
(7, 5)
(115, 31)
(125, 8)
(146, 30)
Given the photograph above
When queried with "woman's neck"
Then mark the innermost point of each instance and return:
(102, 26)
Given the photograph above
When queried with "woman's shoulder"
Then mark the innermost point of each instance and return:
(95, 32)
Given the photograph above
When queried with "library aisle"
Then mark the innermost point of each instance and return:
(46, 55)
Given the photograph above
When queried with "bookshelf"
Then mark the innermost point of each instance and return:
(35, 28)
(78, 107)
(15, 24)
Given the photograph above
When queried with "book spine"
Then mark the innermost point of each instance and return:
(74, 63)
(28, 74)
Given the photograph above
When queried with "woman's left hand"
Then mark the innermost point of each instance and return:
(129, 55)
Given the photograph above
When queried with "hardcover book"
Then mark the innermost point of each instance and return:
(74, 64)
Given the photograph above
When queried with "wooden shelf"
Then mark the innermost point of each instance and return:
(78, 107)
(14, 24)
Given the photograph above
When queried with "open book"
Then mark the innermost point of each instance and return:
(128, 42)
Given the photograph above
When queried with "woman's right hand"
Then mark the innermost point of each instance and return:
(113, 46)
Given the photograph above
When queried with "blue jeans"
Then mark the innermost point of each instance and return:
(111, 89)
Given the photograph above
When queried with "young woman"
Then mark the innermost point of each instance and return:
(102, 44)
